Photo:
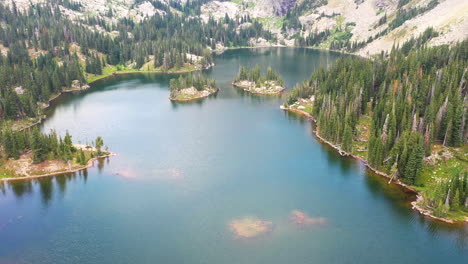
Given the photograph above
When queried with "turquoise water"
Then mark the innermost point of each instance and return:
(184, 171)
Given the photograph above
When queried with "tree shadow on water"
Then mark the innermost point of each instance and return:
(45, 186)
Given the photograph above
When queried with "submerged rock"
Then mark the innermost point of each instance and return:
(250, 227)
(302, 219)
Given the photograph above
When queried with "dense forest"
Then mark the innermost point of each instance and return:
(45, 51)
(255, 75)
(413, 100)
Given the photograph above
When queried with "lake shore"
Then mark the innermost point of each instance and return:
(199, 96)
(416, 205)
(133, 71)
(89, 164)
(252, 88)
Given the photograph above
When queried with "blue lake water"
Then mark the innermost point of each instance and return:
(184, 171)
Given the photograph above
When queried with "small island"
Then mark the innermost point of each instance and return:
(252, 81)
(192, 87)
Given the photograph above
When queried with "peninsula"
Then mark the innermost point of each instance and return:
(411, 129)
(31, 154)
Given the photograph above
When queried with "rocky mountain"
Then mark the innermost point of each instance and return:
(380, 23)
(362, 26)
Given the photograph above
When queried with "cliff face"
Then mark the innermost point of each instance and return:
(280, 7)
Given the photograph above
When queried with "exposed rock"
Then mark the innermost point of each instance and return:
(266, 88)
(253, 8)
(218, 10)
(76, 84)
(446, 155)
(19, 90)
(191, 93)
(449, 17)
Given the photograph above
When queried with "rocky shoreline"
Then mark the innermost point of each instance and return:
(271, 89)
(89, 164)
(194, 94)
(47, 105)
(416, 205)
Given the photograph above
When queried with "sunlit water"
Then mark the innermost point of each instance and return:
(185, 170)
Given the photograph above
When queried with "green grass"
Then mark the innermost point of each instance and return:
(362, 133)
(18, 124)
(272, 22)
(443, 171)
(308, 106)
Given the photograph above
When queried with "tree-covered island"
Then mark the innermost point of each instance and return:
(192, 87)
(251, 80)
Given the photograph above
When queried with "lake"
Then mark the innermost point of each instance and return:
(185, 171)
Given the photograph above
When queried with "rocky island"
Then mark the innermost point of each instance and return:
(192, 87)
(252, 81)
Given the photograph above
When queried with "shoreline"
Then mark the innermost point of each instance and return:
(257, 93)
(217, 52)
(115, 73)
(415, 205)
(89, 164)
(194, 98)
(43, 117)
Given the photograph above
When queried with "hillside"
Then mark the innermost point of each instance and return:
(352, 20)
(362, 26)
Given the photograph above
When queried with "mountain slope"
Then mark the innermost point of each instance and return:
(362, 26)
(352, 20)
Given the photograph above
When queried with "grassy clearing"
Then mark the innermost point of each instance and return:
(272, 22)
(19, 124)
(361, 137)
(303, 105)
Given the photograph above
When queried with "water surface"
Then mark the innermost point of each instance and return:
(185, 170)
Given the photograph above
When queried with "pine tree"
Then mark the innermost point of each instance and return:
(347, 139)
(82, 157)
(98, 144)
